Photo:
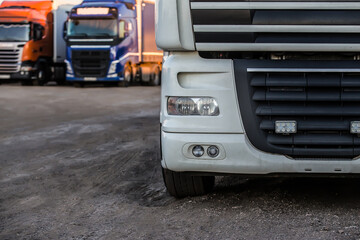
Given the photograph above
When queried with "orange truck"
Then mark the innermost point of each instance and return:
(32, 48)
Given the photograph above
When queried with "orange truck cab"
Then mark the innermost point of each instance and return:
(30, 49)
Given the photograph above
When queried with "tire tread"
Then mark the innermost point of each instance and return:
(182, 185)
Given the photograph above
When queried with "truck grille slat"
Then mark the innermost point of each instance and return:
(276, 26)
(10, 60)
(310, 125)
(316, 96)
(274, 5)
(293, 110)
(313, 139)
(323, 104)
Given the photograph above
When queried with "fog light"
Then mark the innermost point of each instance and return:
(213, 151)
(198, 151)
(355, 127)
(285, 127)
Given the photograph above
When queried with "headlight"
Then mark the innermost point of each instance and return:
(26, 68)
(113, 65)
(68, 67)
(202, 106)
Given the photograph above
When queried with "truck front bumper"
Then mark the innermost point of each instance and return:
(94, 79)
(16, 76)
(238, 156)
(189, 75)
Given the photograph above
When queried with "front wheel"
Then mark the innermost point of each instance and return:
(26, 83)
(127, 77)
(41, 76)
(182, 185)
(79, 84)
(155, 77)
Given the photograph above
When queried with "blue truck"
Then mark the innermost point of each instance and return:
(112, 41)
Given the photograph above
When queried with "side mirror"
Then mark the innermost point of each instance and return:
(38, 32)
(65, 30)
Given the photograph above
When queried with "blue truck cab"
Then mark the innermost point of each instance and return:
(112, 41)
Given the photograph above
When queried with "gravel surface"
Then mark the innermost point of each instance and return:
(84, 164)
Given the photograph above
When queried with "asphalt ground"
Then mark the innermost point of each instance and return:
(84, 163)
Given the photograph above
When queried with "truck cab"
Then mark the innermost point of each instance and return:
(105, 43)
(25, 40)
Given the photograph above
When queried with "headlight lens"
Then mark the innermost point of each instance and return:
(26, 68)
(185, 106)
(68, 67)
(113, 67)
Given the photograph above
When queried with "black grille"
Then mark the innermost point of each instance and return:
(91, 63)
(323, 97)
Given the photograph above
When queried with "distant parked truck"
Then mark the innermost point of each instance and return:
(112, 41)
(31, 46)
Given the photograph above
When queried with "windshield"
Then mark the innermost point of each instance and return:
(92, 28)
(14, 32)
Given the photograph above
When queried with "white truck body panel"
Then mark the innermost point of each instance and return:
(173, 24)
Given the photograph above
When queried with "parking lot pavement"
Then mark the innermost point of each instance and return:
(84, 164)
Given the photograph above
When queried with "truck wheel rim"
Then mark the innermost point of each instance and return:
(40, 75)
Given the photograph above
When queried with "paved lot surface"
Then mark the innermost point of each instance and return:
(84, 164)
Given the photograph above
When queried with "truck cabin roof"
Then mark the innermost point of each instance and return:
(37, 5)
(21, 15)
(124, 9)
(25, 11)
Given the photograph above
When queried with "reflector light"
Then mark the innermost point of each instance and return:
(285, 127)
(355, 127)
(92, 11)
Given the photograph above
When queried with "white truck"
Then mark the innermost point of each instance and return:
(258, 88)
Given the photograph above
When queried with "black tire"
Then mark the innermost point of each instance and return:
(128, 76)
(60, 76)
(182, 185)
(78, 84)
(26, 83)
(41, 76)
(123, 84)
(156, 77)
